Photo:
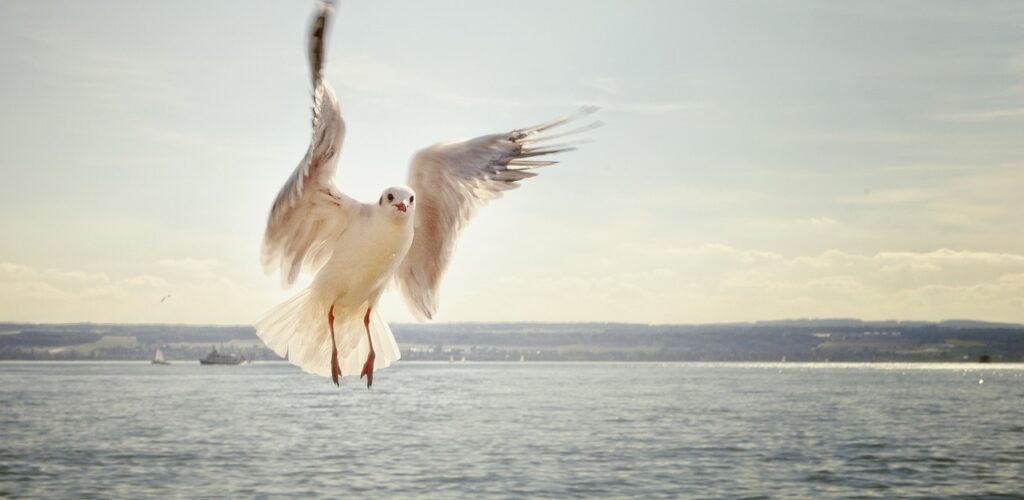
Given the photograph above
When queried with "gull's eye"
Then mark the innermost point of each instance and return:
(391, 197)
(412, 199)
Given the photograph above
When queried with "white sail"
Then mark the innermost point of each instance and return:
(159, 357)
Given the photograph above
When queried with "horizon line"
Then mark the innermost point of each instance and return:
(533, 322)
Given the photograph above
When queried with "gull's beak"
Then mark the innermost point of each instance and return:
(401, 206)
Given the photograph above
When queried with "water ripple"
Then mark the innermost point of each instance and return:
(465, 430)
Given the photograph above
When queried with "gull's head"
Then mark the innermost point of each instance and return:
(398, 201)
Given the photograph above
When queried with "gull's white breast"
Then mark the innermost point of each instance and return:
(365, 257)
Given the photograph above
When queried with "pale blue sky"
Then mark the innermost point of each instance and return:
(760, 160)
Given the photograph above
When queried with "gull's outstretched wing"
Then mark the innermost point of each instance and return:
(310, 212)
(452, 180)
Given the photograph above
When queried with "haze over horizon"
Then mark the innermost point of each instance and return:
(758, 162)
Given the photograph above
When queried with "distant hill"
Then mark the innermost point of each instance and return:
(836, 339)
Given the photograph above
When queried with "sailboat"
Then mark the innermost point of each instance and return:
(158, 358)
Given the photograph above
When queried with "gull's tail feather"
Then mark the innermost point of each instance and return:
(298, 329)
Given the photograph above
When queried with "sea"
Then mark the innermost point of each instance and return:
(511, 430)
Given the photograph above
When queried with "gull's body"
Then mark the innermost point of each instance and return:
(408, 235)
(366, 256)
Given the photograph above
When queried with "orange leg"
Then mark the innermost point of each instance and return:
(335, 368)
(368, 366)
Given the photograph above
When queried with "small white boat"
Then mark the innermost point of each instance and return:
(158, 358)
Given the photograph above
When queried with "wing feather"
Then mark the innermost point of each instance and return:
(310, 212)
(452, 181)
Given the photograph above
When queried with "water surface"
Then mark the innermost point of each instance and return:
(130, 430)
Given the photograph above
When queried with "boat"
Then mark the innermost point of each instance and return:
(158, 358)
(216, 358)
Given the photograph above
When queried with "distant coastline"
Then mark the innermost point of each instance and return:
(815, 340)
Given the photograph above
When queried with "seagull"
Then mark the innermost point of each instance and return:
(165, 297)
(406, 237)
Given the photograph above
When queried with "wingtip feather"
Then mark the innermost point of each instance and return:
(529, 153)
(531, 139)
(581, 112)
(528, 164)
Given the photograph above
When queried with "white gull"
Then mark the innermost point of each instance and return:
(332, 327)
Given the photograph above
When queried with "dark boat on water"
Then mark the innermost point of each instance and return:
(216, 358)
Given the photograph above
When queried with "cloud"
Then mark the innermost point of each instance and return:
(903, 267)
(953, 257)
(899, 284)
(711, 282)
(714, 282)
(202, 295)
(13, 272)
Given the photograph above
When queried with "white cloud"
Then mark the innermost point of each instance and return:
(716, 282)
(953, 257)
(201, 295)
(911, 267)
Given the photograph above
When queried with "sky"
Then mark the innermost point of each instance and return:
(759, 160)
